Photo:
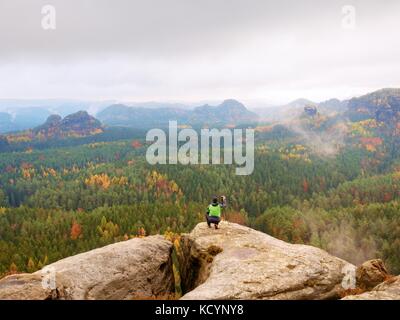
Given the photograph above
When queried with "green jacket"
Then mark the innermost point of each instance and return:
(214, 211)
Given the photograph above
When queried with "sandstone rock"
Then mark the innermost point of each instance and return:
(23, 287)
(370, 274)
(388, 290)
(137, 268)
(236, 262)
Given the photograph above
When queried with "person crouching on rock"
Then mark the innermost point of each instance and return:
(213, 214)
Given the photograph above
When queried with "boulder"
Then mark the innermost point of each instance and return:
(310, 110)
(236, 262)
(388, 290)
(371, 273)
(24, 287)
(138, 268)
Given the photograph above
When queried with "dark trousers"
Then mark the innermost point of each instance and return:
(211, 219)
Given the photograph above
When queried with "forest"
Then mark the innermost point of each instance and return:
(64, 197)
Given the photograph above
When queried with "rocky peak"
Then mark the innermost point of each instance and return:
(52, 121)
(310, 110)
(237, 262)
(382, 105)
(133, 269)
(80, 118)
(76, 124)
(233, 262)
(232, 104)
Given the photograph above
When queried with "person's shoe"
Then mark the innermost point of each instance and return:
(216, 227)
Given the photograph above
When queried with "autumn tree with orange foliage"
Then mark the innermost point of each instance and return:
(136, 144)
(76, 231)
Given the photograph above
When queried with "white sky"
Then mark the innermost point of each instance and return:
(192, 50)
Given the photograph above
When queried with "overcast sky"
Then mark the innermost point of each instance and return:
(191, 50)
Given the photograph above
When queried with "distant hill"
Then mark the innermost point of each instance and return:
(76, 124)
(382, 105)
(122, 115)
(5, 122)
(300, 103)
(332, 106)
(62, 107)
(228, 112)
(29, 117)
(22, 119)
(296, 108)
(156, 105)
(23, 114)
(79, 124)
